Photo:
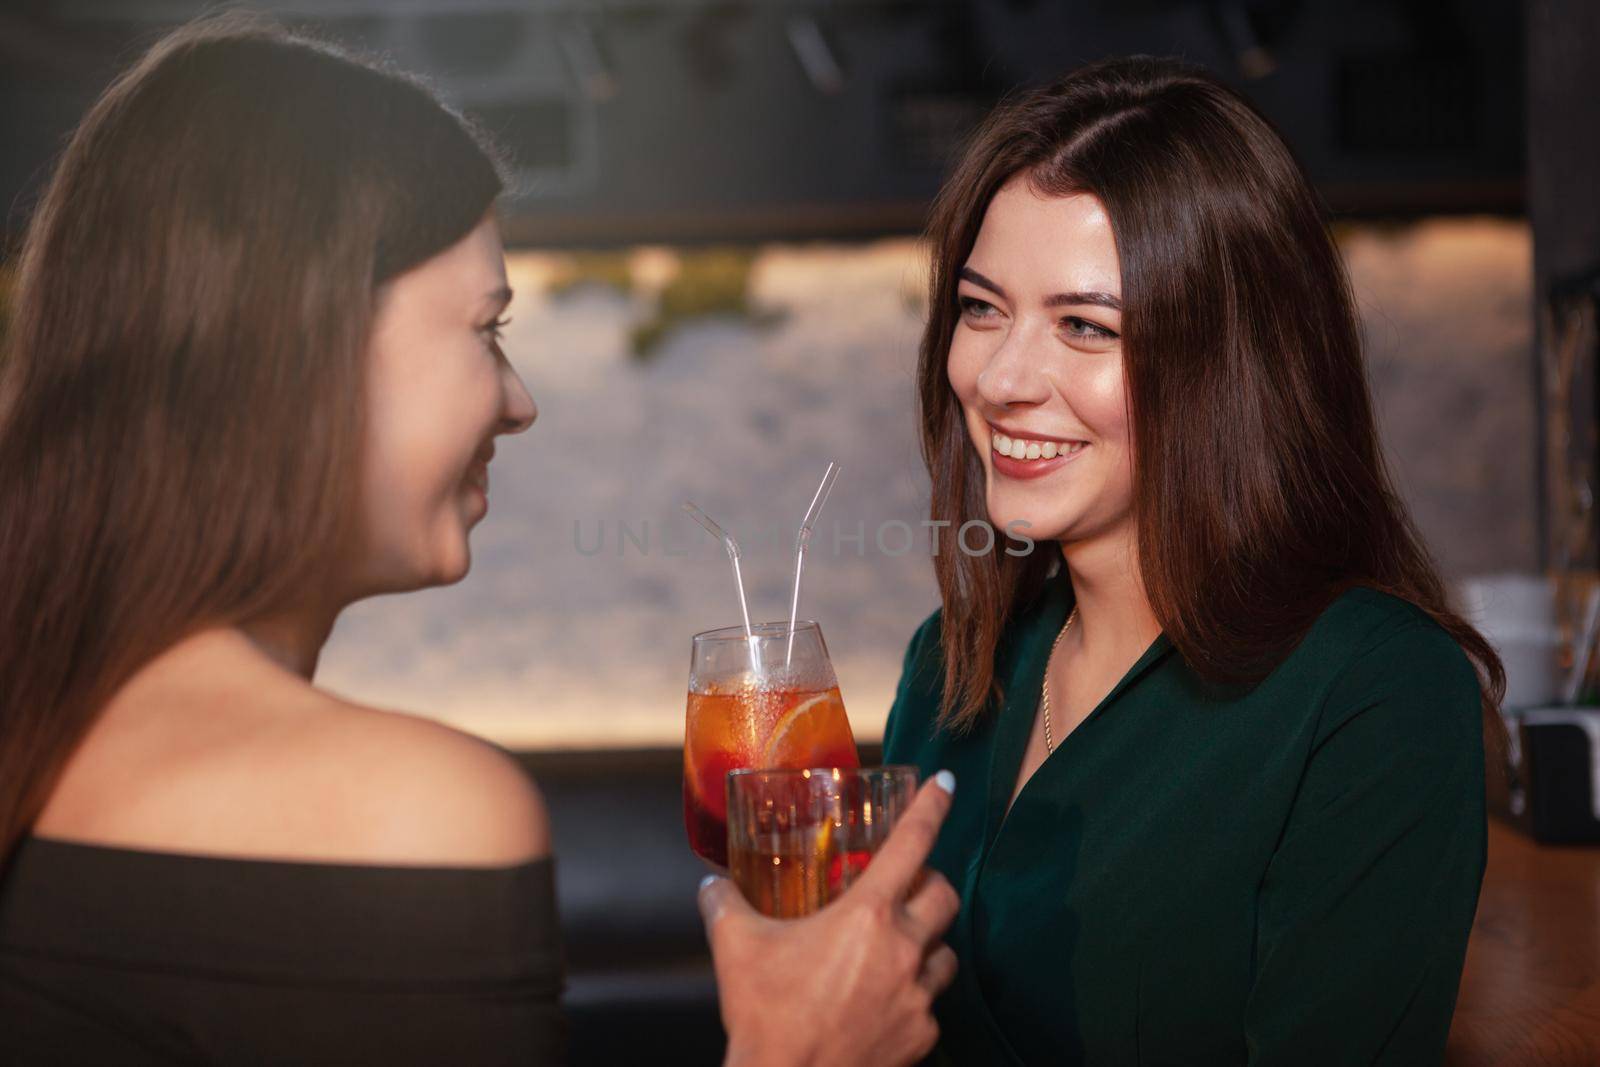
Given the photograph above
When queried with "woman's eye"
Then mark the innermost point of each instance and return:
(973, 308)
(495, 331)
(1084, 330)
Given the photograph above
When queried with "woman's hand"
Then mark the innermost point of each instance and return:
(854, 983)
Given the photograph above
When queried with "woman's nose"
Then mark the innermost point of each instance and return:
(1014, 373)
(518, 410)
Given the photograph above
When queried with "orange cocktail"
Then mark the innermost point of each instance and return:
(765, 701)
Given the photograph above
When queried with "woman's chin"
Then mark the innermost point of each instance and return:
(1021, 522)
(453, 556)
(448, 562)
(454, 564)
(435, 553)
(1012, 515)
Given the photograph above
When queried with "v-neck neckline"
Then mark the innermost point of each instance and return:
(1022, 688)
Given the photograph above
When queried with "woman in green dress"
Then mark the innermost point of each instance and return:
(1221, 736)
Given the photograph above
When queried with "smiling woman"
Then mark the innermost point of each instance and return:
(1044, 269)
(1228, 731)
(334, 254)
(439, 391)
(1152, 227)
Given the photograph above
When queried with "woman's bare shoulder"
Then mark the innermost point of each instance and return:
(278, 769)
(412, 790)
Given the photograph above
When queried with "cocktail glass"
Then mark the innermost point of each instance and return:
(756, 701)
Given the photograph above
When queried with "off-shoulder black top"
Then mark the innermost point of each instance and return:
(112, 955)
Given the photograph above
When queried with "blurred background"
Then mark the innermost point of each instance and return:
(712, 236)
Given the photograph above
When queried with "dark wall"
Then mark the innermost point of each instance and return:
(646, 119)
(1563, 137)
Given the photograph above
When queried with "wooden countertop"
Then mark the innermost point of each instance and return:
(1531, 990)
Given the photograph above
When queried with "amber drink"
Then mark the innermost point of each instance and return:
(757, 701)
(798, 839)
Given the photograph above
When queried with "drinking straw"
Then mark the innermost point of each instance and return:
(801, 540)
(738, 579)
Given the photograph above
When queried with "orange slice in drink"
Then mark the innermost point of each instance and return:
(809, 734)
(796, 726)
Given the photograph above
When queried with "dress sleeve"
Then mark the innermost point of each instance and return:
(1364, 912)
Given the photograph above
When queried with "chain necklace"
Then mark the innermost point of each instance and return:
(1048, 747)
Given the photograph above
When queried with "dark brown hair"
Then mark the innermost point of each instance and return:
(1260, 491)
(183, 377)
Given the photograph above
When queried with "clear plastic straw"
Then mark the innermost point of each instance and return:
(738, 579)
(801, 540)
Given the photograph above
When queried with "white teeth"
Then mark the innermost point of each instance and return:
(1016, 448)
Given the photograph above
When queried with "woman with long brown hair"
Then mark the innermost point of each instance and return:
(1220, 733)
(253, 375)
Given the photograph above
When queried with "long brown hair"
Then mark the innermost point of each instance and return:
(183, 376)
(1260, 490)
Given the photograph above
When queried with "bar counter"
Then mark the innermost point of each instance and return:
(1531, 990)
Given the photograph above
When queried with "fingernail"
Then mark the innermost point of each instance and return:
(946, 781)
(707, 880)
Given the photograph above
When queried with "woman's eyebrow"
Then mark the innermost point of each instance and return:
(1093, 296)
(499, 298)
(979, 280)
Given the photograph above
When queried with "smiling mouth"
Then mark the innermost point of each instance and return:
(1030, 449)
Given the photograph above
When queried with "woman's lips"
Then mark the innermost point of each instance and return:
(477, 475)
(478, 478)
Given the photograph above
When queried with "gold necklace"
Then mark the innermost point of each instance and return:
(1048, 747)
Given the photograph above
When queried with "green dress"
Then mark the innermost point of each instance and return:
(1283, 877)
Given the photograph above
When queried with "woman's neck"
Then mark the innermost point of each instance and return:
(1114, 615)
(293, 639)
